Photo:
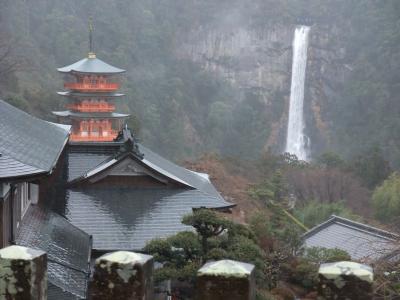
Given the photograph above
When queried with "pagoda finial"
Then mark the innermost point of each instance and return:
(91, 52)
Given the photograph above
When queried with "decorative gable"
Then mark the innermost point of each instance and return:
(124, 170)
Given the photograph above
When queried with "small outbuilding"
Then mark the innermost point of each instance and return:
(362, 242)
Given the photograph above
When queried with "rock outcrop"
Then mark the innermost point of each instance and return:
(258, 60)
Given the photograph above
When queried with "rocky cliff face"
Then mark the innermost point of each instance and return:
(259, 60)
(248, 58)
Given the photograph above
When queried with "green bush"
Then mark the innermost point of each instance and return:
(217, 238)
(319, 255)
(314, 213)
(386, 199)
(305, 270)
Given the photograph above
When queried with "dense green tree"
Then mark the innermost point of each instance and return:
(386, 199)
(330, 160)
(207, 225)
(274, 188)
(305, 269)
(180, 255)
(371, 167)
(314, 213)
(217, 238)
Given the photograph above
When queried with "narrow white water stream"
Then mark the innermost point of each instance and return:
(297, 142)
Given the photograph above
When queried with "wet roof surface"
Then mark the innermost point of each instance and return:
(127, 218)
(56, 293)
(10, 167)
(67, 248)
(166, 167)
(91, 65)
(27, 144)
(81, 162)
(357, 239)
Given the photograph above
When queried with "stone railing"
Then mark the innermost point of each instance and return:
(126, 275)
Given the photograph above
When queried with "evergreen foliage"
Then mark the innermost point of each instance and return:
(217, 238)
(305, 271)
(314, 213)
(371, 167)
(386, 199)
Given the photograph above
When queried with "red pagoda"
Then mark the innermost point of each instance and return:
(91, 89)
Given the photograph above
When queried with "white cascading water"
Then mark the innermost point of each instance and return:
(297, 142)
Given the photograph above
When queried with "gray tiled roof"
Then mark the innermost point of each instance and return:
(359, 240)
(10, 167)
(80, 163)
(56, 293)
(68, 248)
(165, 166)
(27, 144)
(127, 218)
(91, 65)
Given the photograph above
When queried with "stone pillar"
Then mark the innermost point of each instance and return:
(345, 280)
(122, 275)
(23, 274)
(226, 279)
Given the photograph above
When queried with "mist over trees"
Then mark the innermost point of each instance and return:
(184, 110)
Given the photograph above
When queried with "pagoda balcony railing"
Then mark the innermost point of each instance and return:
(101, 87)
(78, 137)
(92, 107)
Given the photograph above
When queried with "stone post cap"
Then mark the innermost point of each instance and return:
(124, 258)
(337, 269)
(20, 253)
(226, 268)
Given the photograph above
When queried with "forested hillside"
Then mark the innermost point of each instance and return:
(183, 104)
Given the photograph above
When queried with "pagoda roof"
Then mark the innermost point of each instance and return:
(78, 95)
(89, 115)
(91, 65)
(28, 146)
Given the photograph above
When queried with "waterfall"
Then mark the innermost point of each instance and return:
(297, 142)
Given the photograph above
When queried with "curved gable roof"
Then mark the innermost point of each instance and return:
(158, 164)
(169, 169)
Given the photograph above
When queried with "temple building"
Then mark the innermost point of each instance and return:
(101, 191)
(113, 187)
(91, 89)
(124, 195)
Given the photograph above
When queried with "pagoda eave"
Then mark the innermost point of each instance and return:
(90, 72)
(81, 115)
(81, 95)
